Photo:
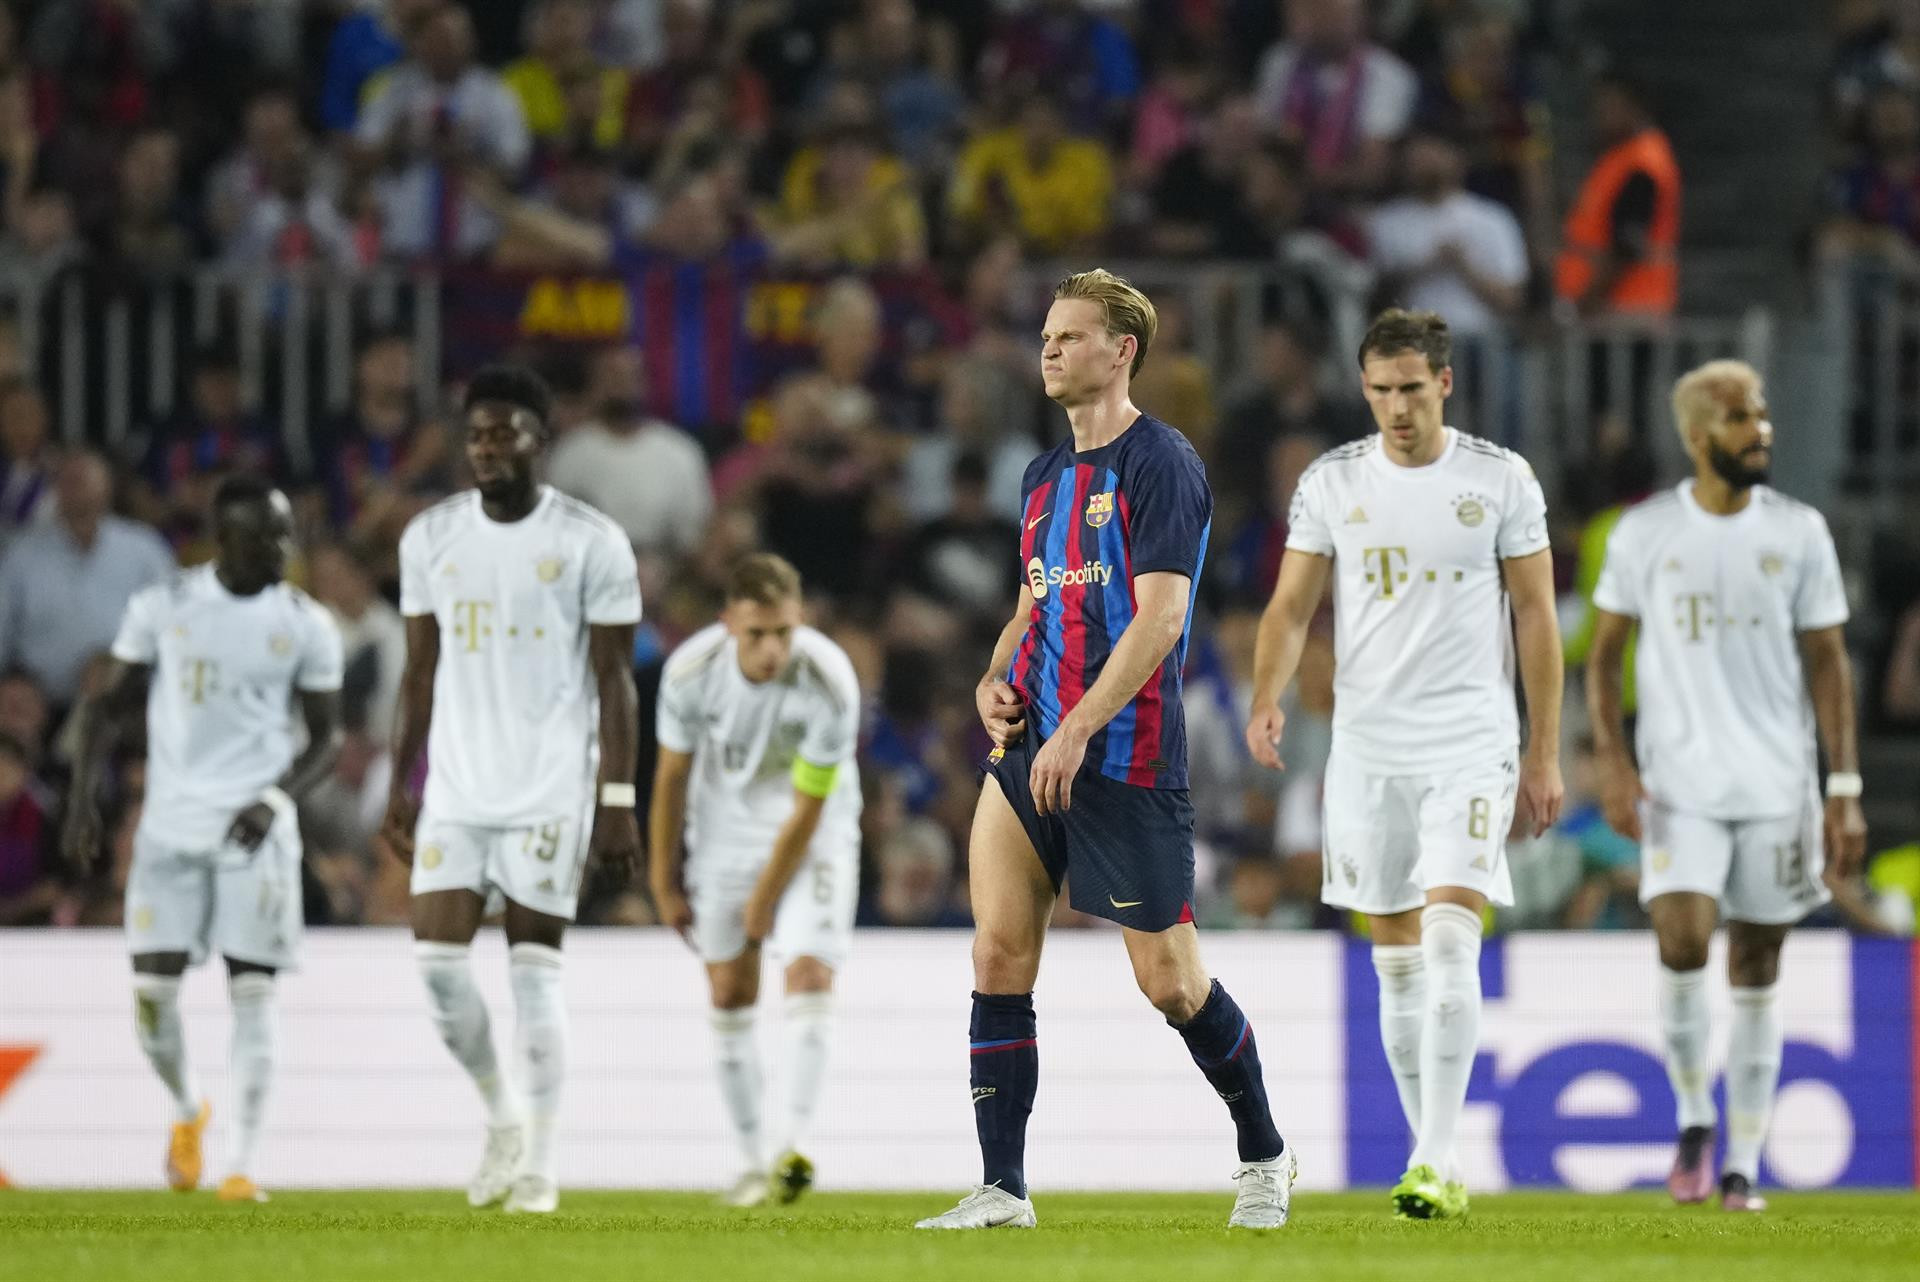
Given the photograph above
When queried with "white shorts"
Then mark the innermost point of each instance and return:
(1764, 871)
(198, 902)
(815, 917)
(1391, 838)
(537, 866)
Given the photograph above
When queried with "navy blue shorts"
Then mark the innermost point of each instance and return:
(1129, 849)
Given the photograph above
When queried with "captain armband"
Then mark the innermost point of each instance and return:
(814, 781)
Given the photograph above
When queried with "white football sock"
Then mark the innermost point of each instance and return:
(250, 1056)
(803, 1059)
(1450, 946)
(1684, 1022)
(1753, 1072)
(1402, 970)
(156, 1015)
(540, 1040)
(737, 1057)
(460, 1013)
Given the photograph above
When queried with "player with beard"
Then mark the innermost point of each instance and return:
(1737, 593)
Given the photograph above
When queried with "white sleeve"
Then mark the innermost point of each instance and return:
(834, 728)
(1308, 529)
(416, 583)
(1387, 102)
(138, 640)
(1615, 591)
(612, 581)
(1506, 249)
(512, 142)
(1523, 526)
(676, 721)
(322, 659)
(1820, 601)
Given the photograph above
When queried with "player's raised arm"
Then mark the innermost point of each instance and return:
(616, 831)
(1536, 631)
(1281, 637)
(1160, 604)
(99, 721)
(412, 718)
(1823, 651)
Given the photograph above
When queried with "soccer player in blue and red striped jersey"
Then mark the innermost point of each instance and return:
(1088, 776)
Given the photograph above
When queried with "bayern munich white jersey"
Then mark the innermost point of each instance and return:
(1422, 630)
(744, 738)
(221, 721)
(515, 738)
(1726, 727)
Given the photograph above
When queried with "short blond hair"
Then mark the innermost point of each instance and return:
(1697, 391)
(1127, 311)
(764, 579)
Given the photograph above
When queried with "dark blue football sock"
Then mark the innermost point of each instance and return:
(1221, 1042)
(1004, 1070)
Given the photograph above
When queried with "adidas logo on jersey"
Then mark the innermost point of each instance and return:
(1357, 517)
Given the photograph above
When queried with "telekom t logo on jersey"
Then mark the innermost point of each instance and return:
(1385, 568)
(1692, 611)
(471, 622)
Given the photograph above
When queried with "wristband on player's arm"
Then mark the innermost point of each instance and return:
(618, 796)
(1844, 783)
(814, 781)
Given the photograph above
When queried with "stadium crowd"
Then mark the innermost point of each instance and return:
(945, 143)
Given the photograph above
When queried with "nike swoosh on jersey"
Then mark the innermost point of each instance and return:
(1036, 520)
(1131, 903)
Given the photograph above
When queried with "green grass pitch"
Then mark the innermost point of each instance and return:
(672, 1237)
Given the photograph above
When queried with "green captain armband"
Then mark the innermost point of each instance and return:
(815, 781)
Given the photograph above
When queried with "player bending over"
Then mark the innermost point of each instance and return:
(1737, 594)
(1088, 776)
(220, 652)
(520, 606)
(758, 718)
(1436, 542)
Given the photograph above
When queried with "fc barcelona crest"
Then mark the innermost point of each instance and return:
(1099, 509)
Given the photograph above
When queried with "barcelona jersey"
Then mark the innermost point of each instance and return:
(1092, 521)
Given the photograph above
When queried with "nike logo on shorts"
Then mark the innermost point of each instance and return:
(1131, 903)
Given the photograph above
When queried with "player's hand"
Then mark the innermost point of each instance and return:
(1054, 766)
(673, 908)
(396, 830)
(1001, 712)
(1537, 807)
(1264, 728)
(759, 915)
(80, 837)
(615, 844)
(1620, 796)
(1846, 833)
(250, 827)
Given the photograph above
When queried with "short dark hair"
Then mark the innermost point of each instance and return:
(1397, 330)
(513, 384)
(242, 487)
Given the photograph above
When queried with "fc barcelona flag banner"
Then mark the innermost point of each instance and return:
(716, 336)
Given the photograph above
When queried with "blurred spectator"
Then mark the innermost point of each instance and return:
(977, 416)
(1875, 201)
(915, 882)
(844, 202)
(1286, 398)
(583, 184)
(435, 119)
(44, 240)
(1608, 896)
(26, 457)
(1441, 248)
(296, 221)
(692, 85)
(28, 890)
(365, 43)
(1621, 243)
(65, 583)
(1888, 58)
(1485, 97)
(960, 559)
(1175, 386)
(648, 475)
(150, 231)
(1197, 201)
(1088, 60)
(1901, 697)
(270, 135)
(910, 66)
(1261, 896)
(559, 54)
(1053, 189)
(1251, 564)
(373, 637)
(101, 58)
(19, 146)
(1340, 98)
(380, 461)
(24, 712)
(1623, 475)
(212, 434)
(1173, 112)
